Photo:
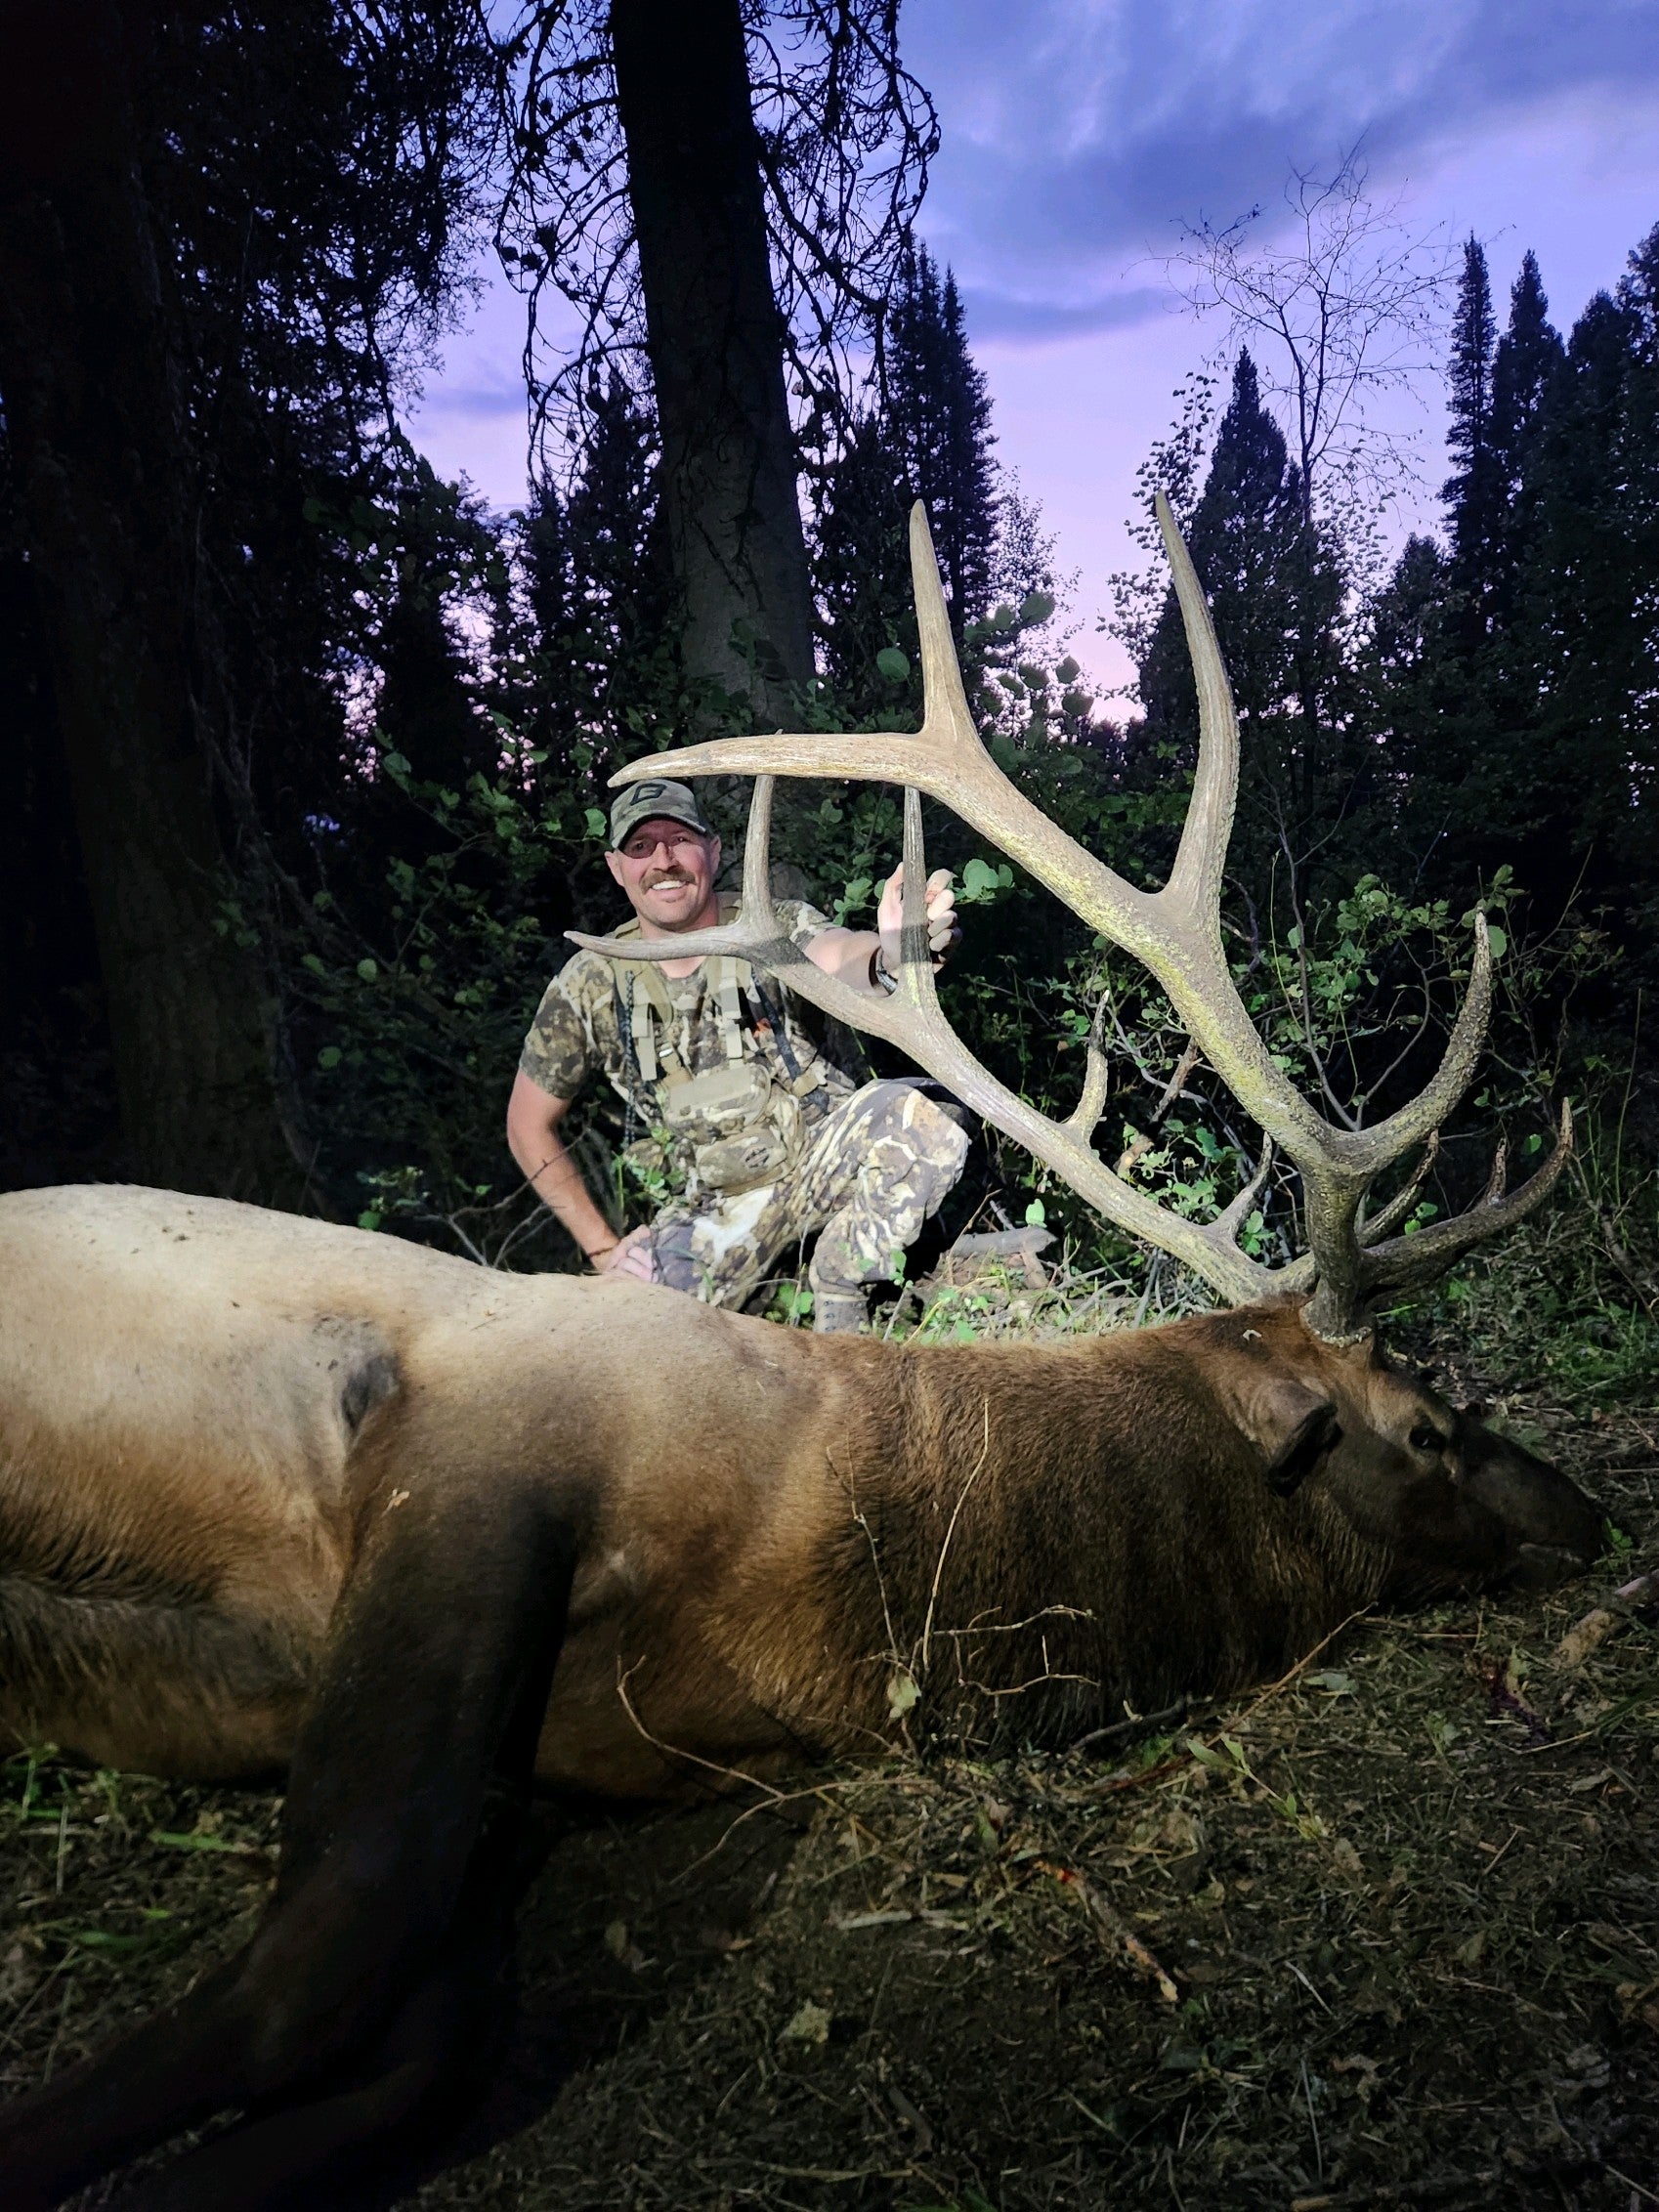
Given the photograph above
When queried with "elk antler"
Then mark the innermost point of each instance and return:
(1176, 933)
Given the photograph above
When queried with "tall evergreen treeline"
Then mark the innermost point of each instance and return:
(1495, 701)
(1515, 671)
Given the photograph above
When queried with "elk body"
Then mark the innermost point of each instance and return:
(760, 1529)
(277, 1496)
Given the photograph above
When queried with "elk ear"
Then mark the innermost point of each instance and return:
(1303, 1448)
(1291, 1426)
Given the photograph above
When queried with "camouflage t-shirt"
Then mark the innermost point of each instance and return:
(577, 1030)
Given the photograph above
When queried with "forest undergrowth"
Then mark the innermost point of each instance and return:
(1384, 1933)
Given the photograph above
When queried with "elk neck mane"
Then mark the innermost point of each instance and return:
(1044, 1533)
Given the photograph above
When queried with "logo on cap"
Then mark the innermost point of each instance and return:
(656, 797)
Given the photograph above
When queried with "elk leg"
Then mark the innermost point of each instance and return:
(433, 1688)
(428, 2062)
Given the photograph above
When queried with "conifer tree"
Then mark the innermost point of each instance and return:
(1458, 713)
(589, 651)
(1410, 692)
(1271, 592)
(1474, 493)
(939, 424)
(931, 439)
(861, 568)
(1529, 354)
(425, 709)
(1587, 630)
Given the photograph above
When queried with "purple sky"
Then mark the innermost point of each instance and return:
(1079, 134)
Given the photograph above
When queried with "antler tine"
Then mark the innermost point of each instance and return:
(1337, 1165)
(936, 757)
(1404, 1263)
(1498, 1180)
(1232, 1220)
(1372, 1230)
(1195, 882)
(1371, 1150)
(754, 903)
(916, 953)
(1085, 1116)
(946, 719)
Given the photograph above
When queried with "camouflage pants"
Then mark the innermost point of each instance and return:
(878, 1166)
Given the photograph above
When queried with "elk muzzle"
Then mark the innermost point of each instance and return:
(1553, 1531)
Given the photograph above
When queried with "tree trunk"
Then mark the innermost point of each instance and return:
(97, 414)
(716, 339)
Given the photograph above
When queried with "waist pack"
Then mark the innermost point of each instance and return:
(738, 1129)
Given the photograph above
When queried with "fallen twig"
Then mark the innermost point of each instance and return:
(1402, 2193)
(1118, 1936)
(1597, 1625)
(1177, 1712)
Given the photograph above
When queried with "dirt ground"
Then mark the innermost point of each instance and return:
(1385, 1933)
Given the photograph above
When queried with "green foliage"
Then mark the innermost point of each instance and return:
(1569, 1300)
(412, 996)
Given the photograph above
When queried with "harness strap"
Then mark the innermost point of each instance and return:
(725, 981)
(772, 1031)
(648, 1024)
(654, 1026)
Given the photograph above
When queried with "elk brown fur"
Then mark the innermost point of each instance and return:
(769, 1524)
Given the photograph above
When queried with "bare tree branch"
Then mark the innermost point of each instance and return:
(1342, 302)
(844, 136)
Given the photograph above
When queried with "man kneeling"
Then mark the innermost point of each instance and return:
(774, 1141)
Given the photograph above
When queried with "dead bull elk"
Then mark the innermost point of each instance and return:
(279, 1495)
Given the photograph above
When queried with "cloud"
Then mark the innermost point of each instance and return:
(488, 395)
(994, 313)
(1083, 133)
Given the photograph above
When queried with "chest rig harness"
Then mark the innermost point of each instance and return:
(741, 1123)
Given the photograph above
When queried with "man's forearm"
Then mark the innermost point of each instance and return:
(849, 955)
(556, 1180)
(867, 959)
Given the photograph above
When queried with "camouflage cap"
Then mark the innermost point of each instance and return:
(656, 799)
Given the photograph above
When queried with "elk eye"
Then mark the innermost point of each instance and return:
(1427, 1439)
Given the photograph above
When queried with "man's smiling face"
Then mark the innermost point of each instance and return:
(667, 871)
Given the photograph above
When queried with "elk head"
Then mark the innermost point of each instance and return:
(1176, 933)
(1441, 1499)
